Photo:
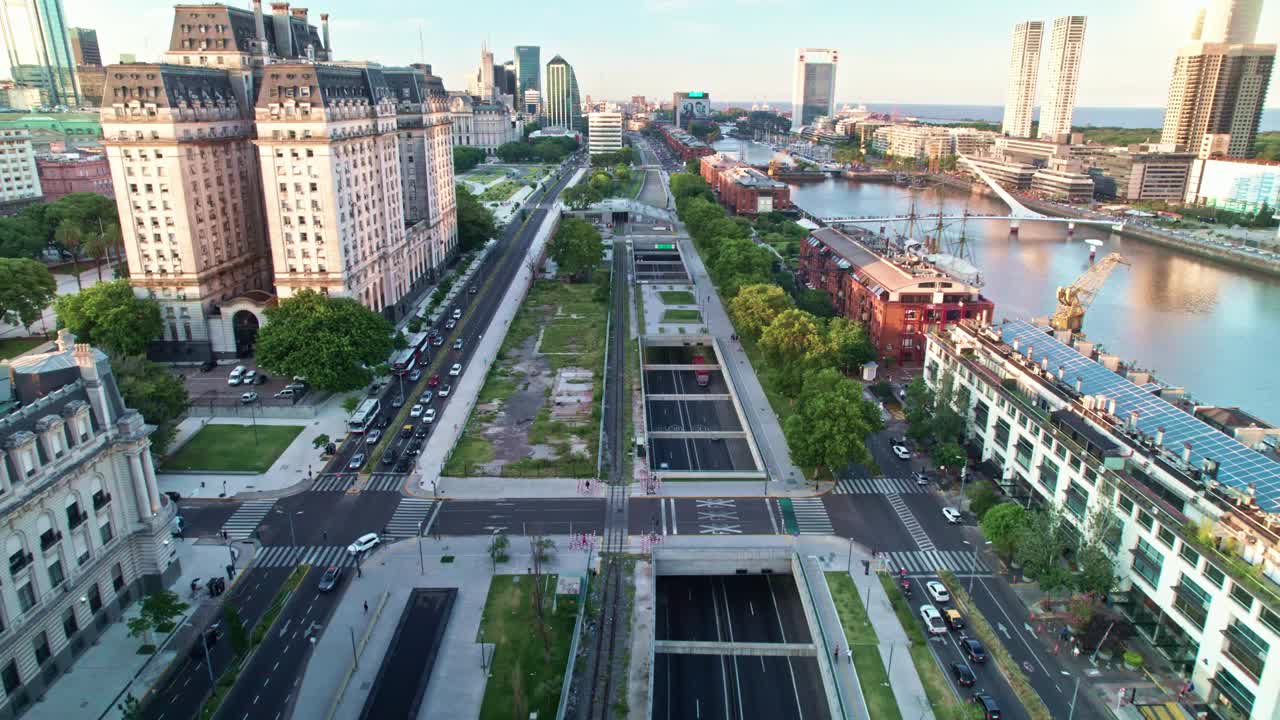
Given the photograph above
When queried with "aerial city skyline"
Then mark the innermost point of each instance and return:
(456, 362)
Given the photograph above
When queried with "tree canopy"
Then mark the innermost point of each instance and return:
(21, 236)
(738, 262)
(475, 221)
(156, 392)
(466, 158)
(110, 316)
(27, 290)
(792, 338)
(576, 248)
(581, 196)
(849, 343)
(331, 341)
(1003, 525)
(832, 422)
(755, 307)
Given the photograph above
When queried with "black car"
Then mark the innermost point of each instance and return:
(963, 675)
(990, 709)
(421, 432)
(974, 650)
(208, 366)
(330, 579)
(173, 495)
(404, 465)
(414, 448)
(261, 379)
(389, 458)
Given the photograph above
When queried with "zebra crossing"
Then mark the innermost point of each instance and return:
(408, 519)
(930, 562)
(245, 519)
(333, 482)
(315, 555)
(878, 486)
(386, 482)
(811, 516)
(910, 523)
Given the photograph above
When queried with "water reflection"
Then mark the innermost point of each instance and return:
(1197, 323)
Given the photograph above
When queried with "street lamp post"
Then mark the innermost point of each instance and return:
(204, 641)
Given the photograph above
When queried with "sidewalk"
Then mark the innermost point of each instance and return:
(290, 472)
(764, 424)
(332, 688)
(453, 420)
(112, 666)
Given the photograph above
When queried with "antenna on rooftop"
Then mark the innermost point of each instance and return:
(422, 49)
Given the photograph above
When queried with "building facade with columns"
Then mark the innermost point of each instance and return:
(86, 530)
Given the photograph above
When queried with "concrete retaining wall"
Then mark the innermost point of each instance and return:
(680, 561)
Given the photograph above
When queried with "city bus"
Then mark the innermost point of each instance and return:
(362, 419)
(402, 361)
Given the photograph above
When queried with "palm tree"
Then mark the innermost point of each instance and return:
(69, 235)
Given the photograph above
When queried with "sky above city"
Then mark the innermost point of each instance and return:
(926, 51)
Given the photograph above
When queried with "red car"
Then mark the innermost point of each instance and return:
(434, 381)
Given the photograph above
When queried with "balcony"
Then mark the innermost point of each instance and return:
(101, 500)
(1190, 605)
(1245, 650)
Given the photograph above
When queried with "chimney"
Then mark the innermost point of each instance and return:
(1160, 437)
(1062, 372)
(1079, 384)
(1030, 349)
(1111, 407)
(282, 31)
(66, 341)
(259, 29)
(1186, 453)
(1044, 363)
(300, 13)
(324, 29)
(1133, 419)
(1016, 344)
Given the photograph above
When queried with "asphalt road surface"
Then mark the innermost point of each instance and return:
(705, 516)
(550, 516)
(735, 608)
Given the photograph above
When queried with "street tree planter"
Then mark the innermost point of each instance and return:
(1133, 660)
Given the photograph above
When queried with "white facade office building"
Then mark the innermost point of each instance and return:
(19, 179)
(1066, 44)
(1024, 70)
(604, 133)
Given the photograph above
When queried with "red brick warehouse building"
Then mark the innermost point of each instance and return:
(743, 189)
(899, 299)
(684, 144)
(68, 173)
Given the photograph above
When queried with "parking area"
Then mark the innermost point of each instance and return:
(731, 610)
(211, 387)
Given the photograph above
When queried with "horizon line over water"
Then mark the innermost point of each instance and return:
(1124, 117)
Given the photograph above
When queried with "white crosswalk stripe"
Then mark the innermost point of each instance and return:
(333, 482)
(314, 555)
(910, 523)
(245, 519)
(931, 561)
(409, 516)
(878, 486)
(386, 482)
(811, 517)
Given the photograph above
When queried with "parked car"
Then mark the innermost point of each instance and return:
(932, 620)
(249, 397)
(330, 579)
(357, 462)
(457, 344)
(954, 619)
(973, 650)
(951, 514)
(963, 674)
(434, 381)
(456, 370)
(364, 543)
(990, 709)
(416, 410)
(236, 376)
(261, 379)
(444, 390)
(902, 452)
(457, 314)
(208, 365)
(415, 375)
(250, 377)
(430, 416)
(937, 591)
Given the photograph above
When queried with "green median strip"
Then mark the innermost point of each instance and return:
(1030, 699)
(861, 639)
(526, 675)
(227, 680)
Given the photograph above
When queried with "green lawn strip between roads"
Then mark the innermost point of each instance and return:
(861, 639)
(681, 316)
(13, 347)
(227, 680)
(232, 448)
(677, 297)
(501, 191)
(522, 679)
(1030, 699)
(936, 685)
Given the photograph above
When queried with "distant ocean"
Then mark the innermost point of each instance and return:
(1125, 117)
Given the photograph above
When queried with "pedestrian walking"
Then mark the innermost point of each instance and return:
(366, 606)
(848, 655)
(835, 654)
(324, 534)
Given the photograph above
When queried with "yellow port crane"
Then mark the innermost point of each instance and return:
(1074, 299)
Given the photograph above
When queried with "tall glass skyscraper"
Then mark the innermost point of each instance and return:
(814, 91)
(35, 36)
(528, 70)
(560, 102)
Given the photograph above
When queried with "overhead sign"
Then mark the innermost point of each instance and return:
(697, 94)
(665, 246)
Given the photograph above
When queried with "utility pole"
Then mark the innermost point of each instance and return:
(1071, 715)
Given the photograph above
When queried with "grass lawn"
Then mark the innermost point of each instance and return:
(677, 297)
(501, 191)
(484, 175)
(681, 316)
(232, 448)
(862, 640)
(13, 347)
(524, 678)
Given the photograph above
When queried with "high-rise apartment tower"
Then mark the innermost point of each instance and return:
(1066, 44)
(1024, 69)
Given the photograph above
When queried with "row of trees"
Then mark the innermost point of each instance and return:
(466, 158)
(625, 156)
(936, 420)
(81, 224)
(576, 248)
(1050, 550)
(604, 183)
(475, 221)
(545, 150)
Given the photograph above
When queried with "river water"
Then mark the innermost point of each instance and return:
(1196, 323)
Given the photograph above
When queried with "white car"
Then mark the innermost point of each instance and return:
(416, 411)
(444, 390)
(937, 591)
(902, 452)
(456, 370)
(430, 417)
(932, 618)
(367, 542)
(951, 514)
(249, 377)
(249, 397)
(236, 375)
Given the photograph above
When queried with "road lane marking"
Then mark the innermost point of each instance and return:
(675, 527)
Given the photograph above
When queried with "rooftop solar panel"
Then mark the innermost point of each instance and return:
(1238, 465)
